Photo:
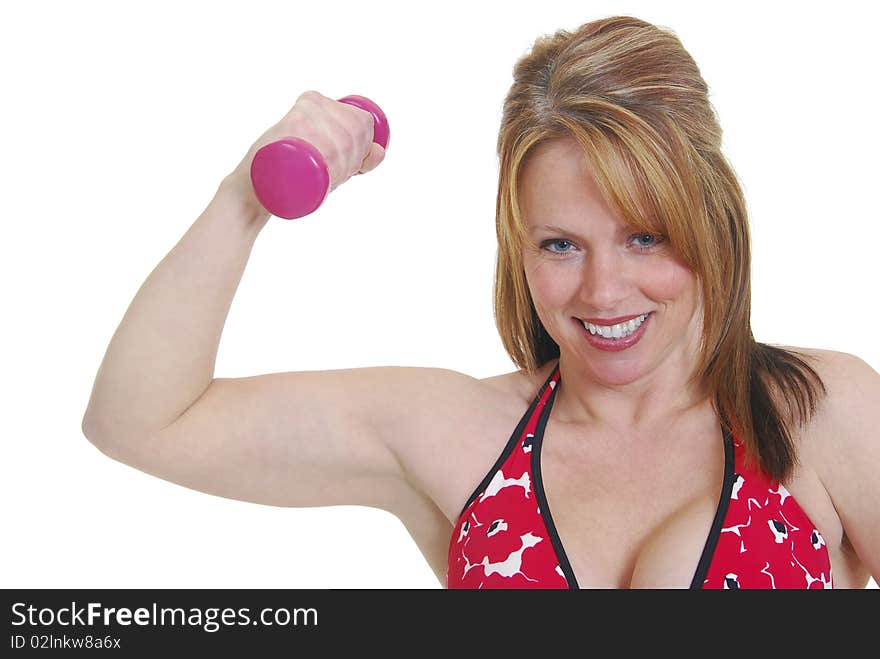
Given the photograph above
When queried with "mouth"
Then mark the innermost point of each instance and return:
(617, 330)
(616, 337)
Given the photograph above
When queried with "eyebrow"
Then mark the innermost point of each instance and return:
(549, 227)
(552, 228)
(556, 229)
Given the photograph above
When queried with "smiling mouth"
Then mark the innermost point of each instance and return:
(618, 330)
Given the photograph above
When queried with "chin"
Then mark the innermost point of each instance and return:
(618, 376)
(614, 371)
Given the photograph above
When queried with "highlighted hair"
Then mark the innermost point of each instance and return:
(634, 99)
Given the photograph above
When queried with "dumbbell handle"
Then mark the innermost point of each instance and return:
(290, 176)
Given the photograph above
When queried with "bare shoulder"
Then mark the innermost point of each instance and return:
(852, 393)
(519, 383)
(833, 363)
(446, 429)
(441, 391)
(444, 398)
(851, 384)
(450, 427)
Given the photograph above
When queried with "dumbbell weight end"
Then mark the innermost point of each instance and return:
(290, 178)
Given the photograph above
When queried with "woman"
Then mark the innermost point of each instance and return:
(646, 440)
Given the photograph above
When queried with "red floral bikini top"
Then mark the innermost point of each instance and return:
(505, 537)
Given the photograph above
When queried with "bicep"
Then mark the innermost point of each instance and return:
(286, 439)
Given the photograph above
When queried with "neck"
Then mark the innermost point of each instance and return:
(656, 400)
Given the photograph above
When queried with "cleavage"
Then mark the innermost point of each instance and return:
(649, 508)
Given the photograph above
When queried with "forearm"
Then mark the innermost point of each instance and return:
(162, 356)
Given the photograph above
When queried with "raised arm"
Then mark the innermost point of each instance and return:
(155, 403)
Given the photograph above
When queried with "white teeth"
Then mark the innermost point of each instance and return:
(617, 331)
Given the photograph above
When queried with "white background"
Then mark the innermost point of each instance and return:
(121, 119)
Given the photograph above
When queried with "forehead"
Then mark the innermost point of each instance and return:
(558, 183)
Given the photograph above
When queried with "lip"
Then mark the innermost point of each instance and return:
(611, 321)
(615, 345)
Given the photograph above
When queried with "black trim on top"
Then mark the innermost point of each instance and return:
(512, 443)
(720, 514)
(541, 496)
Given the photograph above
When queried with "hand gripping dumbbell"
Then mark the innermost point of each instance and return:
(290, 176)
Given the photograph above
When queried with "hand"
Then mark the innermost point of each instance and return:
(342, 133)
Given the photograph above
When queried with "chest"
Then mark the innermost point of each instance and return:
(677, 511)
(630, 512)
(557, 507)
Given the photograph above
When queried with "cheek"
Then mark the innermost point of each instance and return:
(546, 285)
(670, 280)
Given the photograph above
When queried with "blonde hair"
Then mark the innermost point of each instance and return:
(634, 99)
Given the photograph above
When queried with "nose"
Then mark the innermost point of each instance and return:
(605, 281)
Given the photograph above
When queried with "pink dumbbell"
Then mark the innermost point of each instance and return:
(290, 177)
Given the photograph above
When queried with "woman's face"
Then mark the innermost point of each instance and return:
(589, 266)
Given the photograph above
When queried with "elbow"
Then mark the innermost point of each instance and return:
(118, 443)
(92, 430)
(90, 427)
(94, 424)
(95, 430)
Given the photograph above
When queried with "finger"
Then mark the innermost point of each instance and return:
(372, 159)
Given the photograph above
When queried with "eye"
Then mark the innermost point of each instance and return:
(556, 242)
(646, 241)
